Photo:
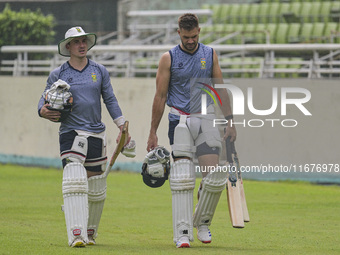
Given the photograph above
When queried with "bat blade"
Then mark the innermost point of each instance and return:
(119, 147)
(240, 181)
(233, 190)
(234, 201)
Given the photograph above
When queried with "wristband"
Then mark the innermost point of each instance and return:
(119, 121)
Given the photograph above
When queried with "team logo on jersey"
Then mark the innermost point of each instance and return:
(94, 77)
(203, 62)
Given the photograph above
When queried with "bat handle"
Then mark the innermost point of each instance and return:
(229, 149)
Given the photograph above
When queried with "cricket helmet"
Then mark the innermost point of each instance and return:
(59, 98)
(156, 167)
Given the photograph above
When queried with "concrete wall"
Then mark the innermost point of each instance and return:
(315, 140)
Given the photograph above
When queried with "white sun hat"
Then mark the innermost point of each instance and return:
(73, 33)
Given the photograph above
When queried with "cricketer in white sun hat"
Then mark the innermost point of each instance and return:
(70, 35)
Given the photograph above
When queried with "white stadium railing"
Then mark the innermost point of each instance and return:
(320, 60)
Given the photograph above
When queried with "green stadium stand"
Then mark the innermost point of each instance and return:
(280, 63)
(272, 28)
(293, 33)
(260, 34)
(248, 64)
(295, 65)
(216, 17)
(253, 13)
(229, 28)
(287, 21)
(245, 67)
(294, 12)
(274, 13)
(306, 32)
(330, 29)
(238, 28)
(325, 11)
(224, 13)
(318, 32)
(244, 12)
(281, 33)
(236, 64)
(206, 34)
(335, 11)
(284, 9)
(219, 32)
(234, 13)
(263, 13)
(248, 35)
(305, 12)
(314, 12)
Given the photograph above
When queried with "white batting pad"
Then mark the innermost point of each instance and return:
(210, 134)
(182, 184)
(212, 186)
(75, 190)
(183, 145)
(97, 195)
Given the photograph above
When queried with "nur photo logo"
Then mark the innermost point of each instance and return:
(280, 98)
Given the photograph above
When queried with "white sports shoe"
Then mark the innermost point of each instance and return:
(203, 234)
(183, 242)
(91, 241)
(78, 242)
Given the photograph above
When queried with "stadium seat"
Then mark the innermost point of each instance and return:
(237, 66)
(325, 11)
(248, 35)
(293, 15)
(281, 33)
(238, 28)
(260, 34)
(216, 9)
(247, 63)
(317, 32)
(314, 12)
(306, 32)
(263, 13)
(243, 15)
(284, 9)
(308, 23)
(253, 13)
(294, 66)
(234, 13)
(305, 12)
(281, 63)
(206, 34)
(224, 13)
(274, 13)
(271, 29)
(335, 12)
(330, 29)
(219, 32)
(293, 33)
(229, 29)
(295, 7)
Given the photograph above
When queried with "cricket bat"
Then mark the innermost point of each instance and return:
(119, 147)
(233, 190)
(240, 181)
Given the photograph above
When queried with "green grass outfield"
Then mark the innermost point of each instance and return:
(286, 218)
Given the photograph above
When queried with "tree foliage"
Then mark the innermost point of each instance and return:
(25, 27)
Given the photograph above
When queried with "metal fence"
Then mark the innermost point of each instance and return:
(247, 60)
